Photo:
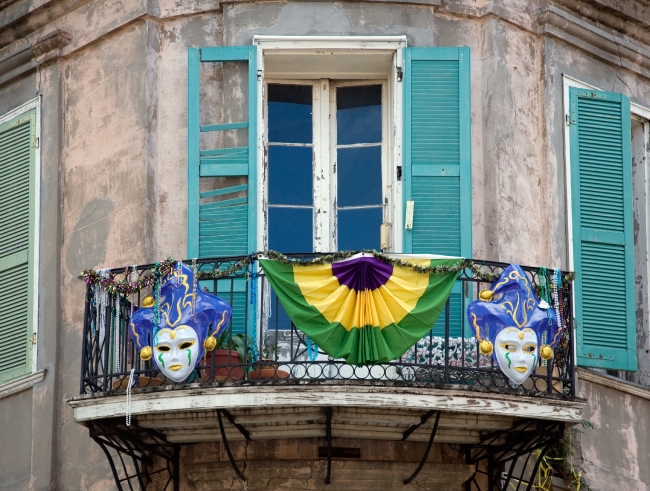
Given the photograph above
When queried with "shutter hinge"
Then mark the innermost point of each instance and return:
(399, 172)
(36, 142)
(566, 118)
(34, 338)
(400, 74)
(259, 74)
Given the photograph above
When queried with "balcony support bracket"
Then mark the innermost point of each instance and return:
(503, 450)
(135, 458)
(426, 452)
(227, 447)
(425, 417)
(241, 429)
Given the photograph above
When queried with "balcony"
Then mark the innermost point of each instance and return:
(285, 387)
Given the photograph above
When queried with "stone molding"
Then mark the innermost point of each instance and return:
(604, 45)
(47, 40)
(613, 383)
(22, 383)
(27, 57)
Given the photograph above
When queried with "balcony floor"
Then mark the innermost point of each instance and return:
(188, 413)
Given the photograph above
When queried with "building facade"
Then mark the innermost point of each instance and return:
(511, 131)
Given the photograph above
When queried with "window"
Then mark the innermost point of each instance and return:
(316, 144)
(602, 191)
(19, 140)
(329, 194)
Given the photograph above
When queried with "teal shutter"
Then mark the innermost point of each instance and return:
(603, 240)
(222, 227)
(437, 158)
(17, 174)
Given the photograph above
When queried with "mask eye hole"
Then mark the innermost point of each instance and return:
(186, 344)
(164, 348)
(529, 349)
(509, 347)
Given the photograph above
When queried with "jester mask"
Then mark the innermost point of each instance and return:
(188, 323)
(510, 325)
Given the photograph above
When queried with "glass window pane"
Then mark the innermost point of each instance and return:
(359, 176)
(289, 109)
(359, 229)
(291, 229)
(358, 114)
(290, 175)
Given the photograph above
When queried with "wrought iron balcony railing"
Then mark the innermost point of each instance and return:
(277, 353)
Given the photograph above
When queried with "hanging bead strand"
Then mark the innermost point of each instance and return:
(195, 272)
(556, 284)
(116, 329)
(253, 302)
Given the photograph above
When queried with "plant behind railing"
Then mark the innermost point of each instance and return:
(559, 462)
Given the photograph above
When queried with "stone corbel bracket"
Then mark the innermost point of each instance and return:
(28, 57)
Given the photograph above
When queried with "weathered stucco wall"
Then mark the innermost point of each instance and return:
(615, 452)
(114, 168)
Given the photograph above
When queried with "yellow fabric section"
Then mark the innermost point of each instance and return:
(381, 307)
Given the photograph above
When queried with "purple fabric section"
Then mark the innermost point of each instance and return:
(362, 273)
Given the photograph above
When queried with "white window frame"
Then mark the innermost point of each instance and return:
(637, 110)
(392, 116)
(14, 113)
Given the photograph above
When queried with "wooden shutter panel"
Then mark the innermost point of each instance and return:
(437, 158)
(221, 228)
(225, 227)
(17, 170)
(603, 240)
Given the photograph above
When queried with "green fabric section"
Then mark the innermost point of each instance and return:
(367, 345)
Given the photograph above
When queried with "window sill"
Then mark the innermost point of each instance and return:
(613, 383)
(23, 383)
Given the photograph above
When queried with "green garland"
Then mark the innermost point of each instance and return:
(162, 268)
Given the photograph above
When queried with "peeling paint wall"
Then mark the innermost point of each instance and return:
(615, 453)
(114, 192)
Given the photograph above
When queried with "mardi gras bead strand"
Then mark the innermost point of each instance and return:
(253, 301)
(312, 349)
(116, 340)
(93, 310)
(194, 285)
(128, 397)
(156, 304)
(556, 283)
(103, 299)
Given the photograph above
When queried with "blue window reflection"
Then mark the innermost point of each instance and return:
(291, 229)
(289, 113)
(358, 114)
(290, 175)
(359, 229)
(359, 176)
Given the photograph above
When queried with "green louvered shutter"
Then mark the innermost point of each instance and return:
(437, 158)
(603, 240)
(222, 221)
(17, 170)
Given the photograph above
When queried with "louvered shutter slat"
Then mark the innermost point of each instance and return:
(601, 175)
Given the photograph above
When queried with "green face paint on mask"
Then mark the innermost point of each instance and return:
(161, 360)
(507, 355)
(189, 356)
